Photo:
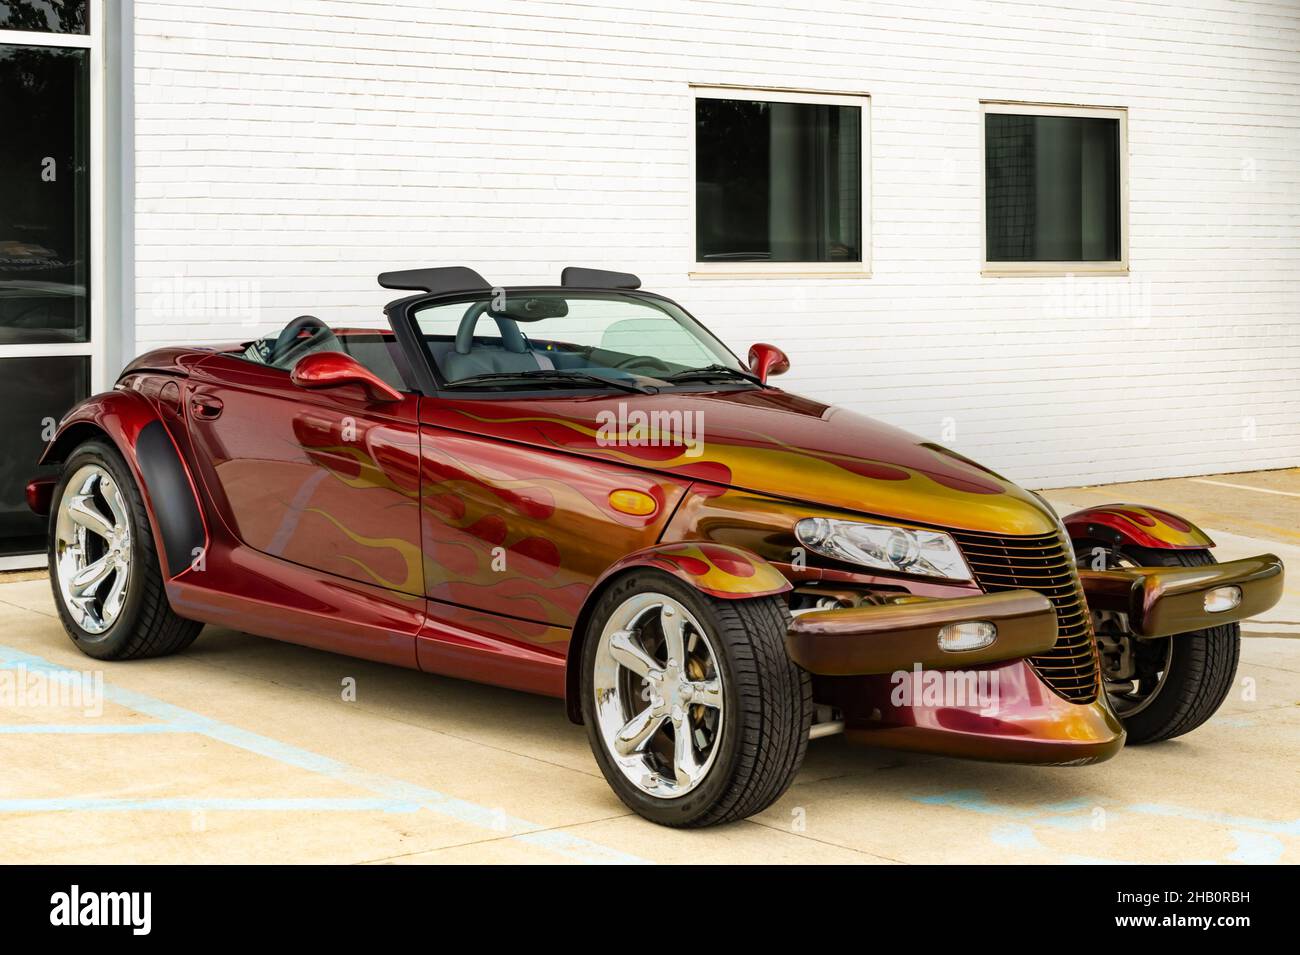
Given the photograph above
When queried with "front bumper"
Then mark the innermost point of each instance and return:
(883, 669)
(858, 641)
(1162, 601)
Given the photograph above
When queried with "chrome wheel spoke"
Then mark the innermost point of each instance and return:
(637, 731)
(85, 513)
(674, 630)
(87, 580)
(686, 764)
(115, 504)
(623, 648)
(116, 594)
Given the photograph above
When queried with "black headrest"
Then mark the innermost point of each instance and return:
(450, 278)
(575, 277)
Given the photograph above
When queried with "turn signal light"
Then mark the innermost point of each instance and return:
(970, 635)
(1220, 599)
(636, 503)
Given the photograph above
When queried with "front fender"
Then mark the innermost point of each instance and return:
(133, 425)
(1138, 525)
(719, 570)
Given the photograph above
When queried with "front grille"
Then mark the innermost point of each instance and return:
(1041, 563)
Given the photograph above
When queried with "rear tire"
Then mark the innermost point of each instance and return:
(744, 752)
(1199, 668)
(125, 614)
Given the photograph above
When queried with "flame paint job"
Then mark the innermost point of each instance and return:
(719, 570)
(465, 536)
(527, 534)
(324, 479)
(1135, 524)
(775, 444)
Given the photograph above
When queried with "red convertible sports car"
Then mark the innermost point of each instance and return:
(577, 490)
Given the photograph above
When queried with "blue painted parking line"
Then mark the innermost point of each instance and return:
(394, 795)
(88, 729)
(1255, 840)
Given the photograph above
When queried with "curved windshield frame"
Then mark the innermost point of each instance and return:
(560, 338)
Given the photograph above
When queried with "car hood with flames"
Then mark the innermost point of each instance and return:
(768, 442)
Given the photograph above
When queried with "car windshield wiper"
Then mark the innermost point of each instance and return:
(711, 371)
(548, 377)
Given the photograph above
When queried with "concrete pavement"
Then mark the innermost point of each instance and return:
(244, 749)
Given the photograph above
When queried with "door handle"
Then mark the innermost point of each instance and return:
(206, 407)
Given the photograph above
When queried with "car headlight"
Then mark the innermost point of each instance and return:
(907, 550)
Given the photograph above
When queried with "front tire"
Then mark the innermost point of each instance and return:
(1177, 682)
(694, 710)
(104, 571)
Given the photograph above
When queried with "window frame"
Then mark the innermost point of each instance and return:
(997, 269)
(95, 348)
(732, 270)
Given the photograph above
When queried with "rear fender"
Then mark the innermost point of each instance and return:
(719, 570)
(132, 424)
(1137, 525)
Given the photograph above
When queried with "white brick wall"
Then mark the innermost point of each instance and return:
(289, 151)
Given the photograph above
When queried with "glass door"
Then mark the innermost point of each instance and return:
(50, 195)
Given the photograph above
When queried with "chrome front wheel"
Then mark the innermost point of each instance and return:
(695, 713)
(658, 695)
(92, 548)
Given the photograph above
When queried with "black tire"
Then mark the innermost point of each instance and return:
(147, 626)
(767, 698)
(1202, 665)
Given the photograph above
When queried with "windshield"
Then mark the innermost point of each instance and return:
(570, 339)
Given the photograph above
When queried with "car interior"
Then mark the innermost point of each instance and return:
(489, 339)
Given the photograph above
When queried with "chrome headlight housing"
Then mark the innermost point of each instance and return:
(904, 550)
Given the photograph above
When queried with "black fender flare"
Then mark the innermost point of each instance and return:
(132, 424)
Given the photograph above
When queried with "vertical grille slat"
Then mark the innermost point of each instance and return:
(1040, 562)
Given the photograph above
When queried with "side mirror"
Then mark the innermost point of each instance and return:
(329, 369)
(767, 360)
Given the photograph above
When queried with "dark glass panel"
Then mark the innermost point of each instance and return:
(777, 182)
(34, 394)
(44, 195)
(1051, 188)
(45, 16)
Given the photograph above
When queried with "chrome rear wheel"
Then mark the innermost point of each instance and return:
(92, 548)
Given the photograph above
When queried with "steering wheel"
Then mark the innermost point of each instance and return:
(643, 359)
(286, 343)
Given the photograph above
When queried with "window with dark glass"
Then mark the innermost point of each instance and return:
(1052, 188)
(777, 182)
(45, 16)
(44, 195)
